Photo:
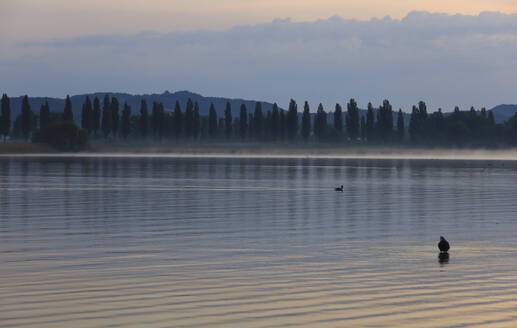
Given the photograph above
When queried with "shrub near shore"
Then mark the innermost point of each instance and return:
(63, 136)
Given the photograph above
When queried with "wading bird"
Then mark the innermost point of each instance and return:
(443, 245)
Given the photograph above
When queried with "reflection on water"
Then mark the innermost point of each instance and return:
(141, 242)
(443, 258)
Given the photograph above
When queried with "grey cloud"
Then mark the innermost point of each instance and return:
(443, 59)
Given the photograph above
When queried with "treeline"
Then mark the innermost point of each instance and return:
(108, 119)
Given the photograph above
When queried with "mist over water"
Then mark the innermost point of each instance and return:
(262, 242)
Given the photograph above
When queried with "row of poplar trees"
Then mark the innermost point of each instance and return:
(109, 119)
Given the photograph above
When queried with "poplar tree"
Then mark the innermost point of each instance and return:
(292, 120)
(268, 134)
(306, 121)
(86, 115)
(338, 120)
(400, 125)
(243, 121)
(177, 120)
(251, 125)
(126, 120)
(352, 120)
(96, 115)
(320, 123)
(491, 119)
(418, 125)
(370, 123)
(275, 122)
(143, 118)
(44, 116)
(212, 122)
(161, 120)
(196, 121)
(5, 118)
(363, 128)
(385, 121)
(282, 124)
(68, 115)
(107, 117)
(155, 118)
(26, 117)
(189, 119)
(228, 120)
(258, 121)
(114, 115)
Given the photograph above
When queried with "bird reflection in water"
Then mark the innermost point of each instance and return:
(443, 258)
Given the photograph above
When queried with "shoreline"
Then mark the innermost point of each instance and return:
(296, 151)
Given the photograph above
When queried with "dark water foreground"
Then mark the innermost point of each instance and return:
(142, 242)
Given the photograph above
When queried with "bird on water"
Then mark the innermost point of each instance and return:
(443, 245)
(339, 188)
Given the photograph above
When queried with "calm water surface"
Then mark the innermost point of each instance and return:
(163, 242)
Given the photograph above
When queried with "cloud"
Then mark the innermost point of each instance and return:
(443, 59)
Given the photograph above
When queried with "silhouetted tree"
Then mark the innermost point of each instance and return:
(68, 115)
(306, 121)
(250, 126)
(385, 121)
(228, 120)
(236, 126)
(96, 115)
(107, 117)
(86, 115)
(258, 121)
(400, 125)
(243, 121)
(483, 113)
(320, 123)
(413, 124)
(275, 122)
(44, 116)
(292, 120)
(437, 126)
(162, 121)
(26, 117)
(177, 120)
(283, 124)
(196, 122)
(189, 119)
(64, 136)
(144, 116)
(267, 126)
(363, 128)
(126, 120)
(155, 118)
(370, 123)
(338, 120)
(5, 118)
(491, 119)
(418, 124)
(212, 122)
(115, 116)
(352, 120)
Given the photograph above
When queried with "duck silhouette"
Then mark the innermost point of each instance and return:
(339, 188)
(443, 245)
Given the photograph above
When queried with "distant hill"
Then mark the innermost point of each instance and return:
(167, 98)
(504, 112)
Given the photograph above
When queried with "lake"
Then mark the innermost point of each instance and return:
(256, 242)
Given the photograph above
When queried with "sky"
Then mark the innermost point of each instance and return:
(446, 53)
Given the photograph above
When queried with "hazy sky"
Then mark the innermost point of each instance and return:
(246, 48)
(22, 19)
